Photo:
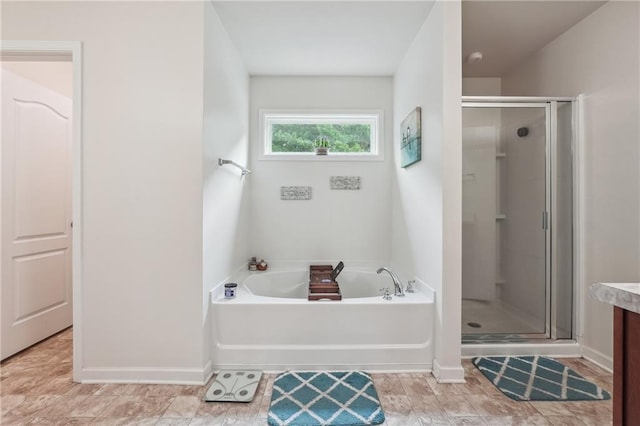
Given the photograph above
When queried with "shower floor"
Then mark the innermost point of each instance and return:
(496, 323)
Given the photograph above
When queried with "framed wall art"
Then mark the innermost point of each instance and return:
(411, 142)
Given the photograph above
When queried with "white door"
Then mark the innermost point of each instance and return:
(35, 216)
(479, 212)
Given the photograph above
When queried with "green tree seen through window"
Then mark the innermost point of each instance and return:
(343, 138)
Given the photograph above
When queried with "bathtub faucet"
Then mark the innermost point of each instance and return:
(396, 281)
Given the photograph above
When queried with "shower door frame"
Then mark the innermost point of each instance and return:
(550, 106)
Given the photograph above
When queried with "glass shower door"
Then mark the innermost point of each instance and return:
(505, 221)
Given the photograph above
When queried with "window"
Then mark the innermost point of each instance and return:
(295, 135)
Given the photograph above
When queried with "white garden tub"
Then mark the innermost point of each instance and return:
(271, 325)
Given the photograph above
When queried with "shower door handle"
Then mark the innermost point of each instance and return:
(545, 220)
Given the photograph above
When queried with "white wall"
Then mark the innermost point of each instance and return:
(481, 86)
(55, 75)
(427, 195)
(600, 58)
(226, 135)
(141, 180)
(333, 225)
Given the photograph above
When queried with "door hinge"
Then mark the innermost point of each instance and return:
(545, 220)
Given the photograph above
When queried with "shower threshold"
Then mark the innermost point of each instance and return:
(521, 346)
(499, 338)
(493, 338)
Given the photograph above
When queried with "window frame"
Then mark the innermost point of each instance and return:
(271, 116)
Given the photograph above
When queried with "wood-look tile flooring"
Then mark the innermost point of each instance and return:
(36, 388)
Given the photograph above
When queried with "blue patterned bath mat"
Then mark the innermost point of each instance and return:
(538, 378)
(324, 398)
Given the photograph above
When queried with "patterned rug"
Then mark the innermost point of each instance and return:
(538, 378)
(324, 398)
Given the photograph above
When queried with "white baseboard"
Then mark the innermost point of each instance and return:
(598, 358)
(368, 367)
(448, 374)
(175, 376)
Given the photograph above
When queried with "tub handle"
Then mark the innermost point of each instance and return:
(409, 288)
(387, 293)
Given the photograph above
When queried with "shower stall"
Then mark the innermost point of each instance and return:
(517, 219)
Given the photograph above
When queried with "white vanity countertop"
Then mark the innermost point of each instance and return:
(623, 295)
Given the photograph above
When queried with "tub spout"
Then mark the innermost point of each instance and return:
(396, 281)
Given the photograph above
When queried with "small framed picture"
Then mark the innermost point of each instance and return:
(411, 142)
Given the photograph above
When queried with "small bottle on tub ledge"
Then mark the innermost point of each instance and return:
(230, 290)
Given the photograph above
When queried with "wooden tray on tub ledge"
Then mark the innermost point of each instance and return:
(321, 285)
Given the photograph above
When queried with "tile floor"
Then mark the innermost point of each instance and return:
(36, 388)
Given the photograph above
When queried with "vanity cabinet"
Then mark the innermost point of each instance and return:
(625, 297)
(626, 367)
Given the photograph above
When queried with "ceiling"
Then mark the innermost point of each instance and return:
(340, 37)
(322, 37)
(506, 32)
